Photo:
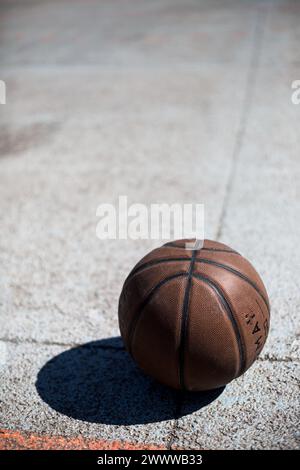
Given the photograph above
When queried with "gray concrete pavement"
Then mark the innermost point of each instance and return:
(163, 102)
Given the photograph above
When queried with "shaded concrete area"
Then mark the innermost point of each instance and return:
(164, 102)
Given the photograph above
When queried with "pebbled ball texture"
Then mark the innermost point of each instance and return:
(194, 319)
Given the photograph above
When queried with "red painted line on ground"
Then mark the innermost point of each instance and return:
(19, 440)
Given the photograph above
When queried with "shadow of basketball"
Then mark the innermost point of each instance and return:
(98, 382)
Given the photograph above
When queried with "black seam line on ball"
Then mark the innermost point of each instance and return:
(231, 316)
(184, 321)
(265, 317)
(237, 273)
(222, 250)
(154, 262)
(147, 299)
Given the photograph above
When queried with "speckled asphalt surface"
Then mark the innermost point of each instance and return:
(164, 102)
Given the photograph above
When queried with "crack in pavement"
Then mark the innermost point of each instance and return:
(275, 359)
(19, 341)
(172, 435)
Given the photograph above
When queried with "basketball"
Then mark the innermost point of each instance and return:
(194, 319)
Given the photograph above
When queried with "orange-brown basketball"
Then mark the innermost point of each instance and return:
(194, 319)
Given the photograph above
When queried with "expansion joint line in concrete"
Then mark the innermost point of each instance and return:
(245, 110)
(246, 106)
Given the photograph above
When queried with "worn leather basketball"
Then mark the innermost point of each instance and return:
(194, 319)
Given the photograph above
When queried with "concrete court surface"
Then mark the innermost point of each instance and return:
(162, 101)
